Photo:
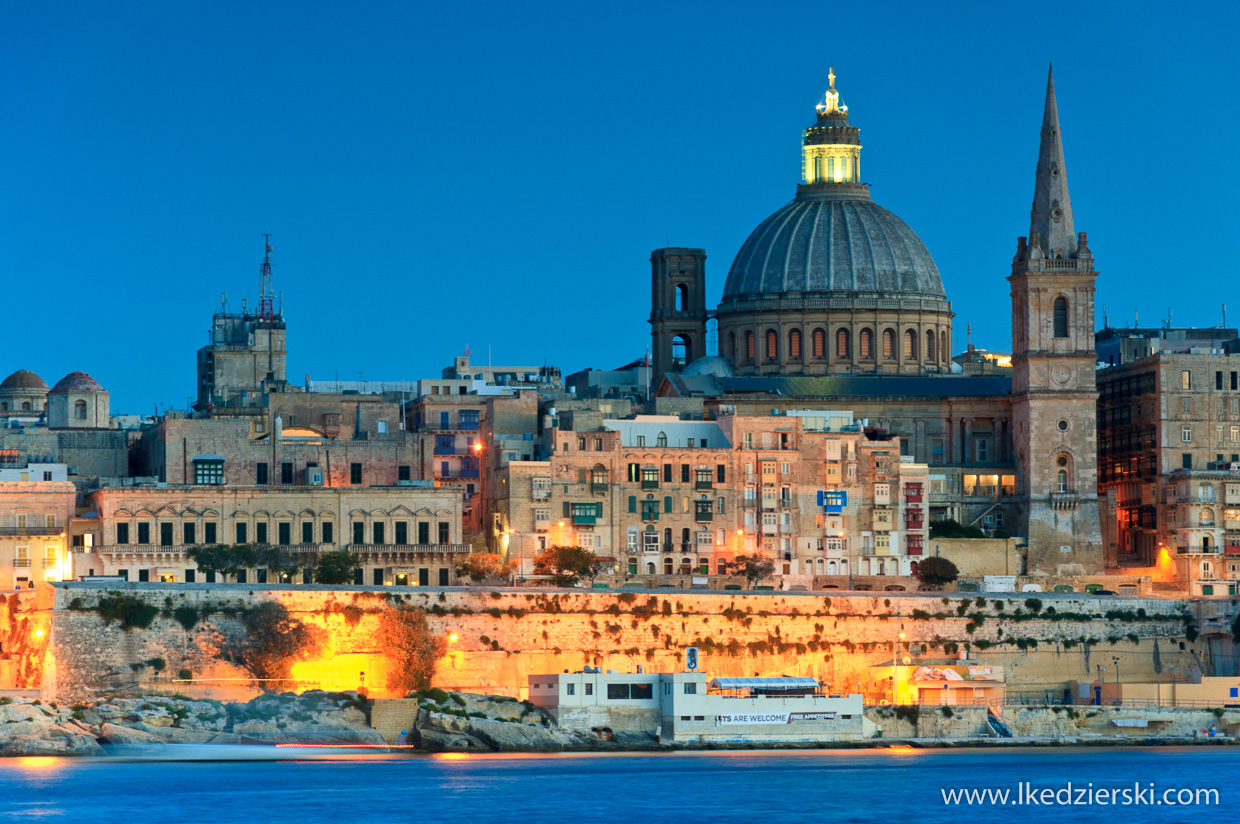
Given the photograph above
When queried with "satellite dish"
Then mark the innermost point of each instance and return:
(906, 660)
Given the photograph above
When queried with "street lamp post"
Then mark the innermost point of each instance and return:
(1115, 659)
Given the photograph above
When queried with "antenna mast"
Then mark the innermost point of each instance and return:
(266, 310)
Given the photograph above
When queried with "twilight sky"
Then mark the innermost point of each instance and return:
(443, 174)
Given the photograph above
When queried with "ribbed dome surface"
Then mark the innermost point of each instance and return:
(77, 382)
(833, 244)
(23, 379)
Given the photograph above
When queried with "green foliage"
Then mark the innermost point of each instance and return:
(936, 571)
(568, 565)
(921, 615)
(947, 711)
(412, 651)
(1190, 626)
(753, 567)
(458, 698)
(433, 694)
(1034, 605)
(950, 528)
(229, 559)
(185, 675)
(336, 567)
(75, 604)
(132, 612)
(157, 664)
(908, 712)
(186, 616)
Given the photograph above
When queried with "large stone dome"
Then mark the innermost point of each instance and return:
(24, 379)
(833, 243)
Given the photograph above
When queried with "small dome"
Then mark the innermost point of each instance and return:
(77, 382)
(713, 365)
(23, 379)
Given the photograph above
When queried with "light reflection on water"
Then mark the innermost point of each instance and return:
(900, 785)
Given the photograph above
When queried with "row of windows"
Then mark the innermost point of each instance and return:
(284, 533)
(935, 345)
(701, 475)
(212, 473)
(1186, 380)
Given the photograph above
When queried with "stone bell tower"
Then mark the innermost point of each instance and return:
(677, 308)
(1054, 396)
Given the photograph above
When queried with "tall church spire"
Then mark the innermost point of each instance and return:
(1050, 229)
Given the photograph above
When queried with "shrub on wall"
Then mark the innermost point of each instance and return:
(274, 641)
(412, 650)
(130, 611)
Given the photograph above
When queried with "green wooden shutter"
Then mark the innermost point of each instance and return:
(632, 503)
(667, 504)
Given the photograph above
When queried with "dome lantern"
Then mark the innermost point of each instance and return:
(831, 148)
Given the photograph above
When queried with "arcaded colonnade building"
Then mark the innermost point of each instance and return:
(834, 302)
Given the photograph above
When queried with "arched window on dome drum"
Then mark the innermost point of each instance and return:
(910, 345)
(844, 168)
(79, 410)
(1061, 318)
(772, 345)
(820, 343)
(817, 176)
(732, 353)
(841, 344)
(794, 344)
(945, 351)
(889, 344)
(749, 347)
(830, 168)
(867, 343)
(930, 345)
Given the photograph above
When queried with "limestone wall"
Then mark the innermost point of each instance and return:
(504, 636)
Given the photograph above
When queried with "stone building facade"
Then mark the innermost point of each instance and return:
(34, 526)
(660, 496)
(405, 536)
(77, 401)
(1169, 402)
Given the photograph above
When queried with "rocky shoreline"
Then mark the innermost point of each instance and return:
(442, 723)
(31, 727)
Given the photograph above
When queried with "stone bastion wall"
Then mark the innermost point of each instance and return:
(503, 636)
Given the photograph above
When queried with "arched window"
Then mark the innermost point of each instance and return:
(682, 297)
(749, 347)
(794, 344)
(910, 345)
(1061, 317)
(26, 405)
(661, 440)
(667, 566)
(930, 345)
(772, 345)
(867, 344)
(817, 176)
(1061, 481)
(4, 406)
(830, 168)
(841, 344)
(732, 353)
(721, 567)
(945, 351)
(820, 343)
(79, 410)
(889, 344)
(682, 352)
(650, 568)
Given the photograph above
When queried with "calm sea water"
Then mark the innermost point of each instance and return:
(870, 786)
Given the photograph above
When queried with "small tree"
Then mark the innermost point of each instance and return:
(411, 649)
(336, 567)
(753, 567)
(274, 641)
(477, 567)
(935, 571)
(566, 565)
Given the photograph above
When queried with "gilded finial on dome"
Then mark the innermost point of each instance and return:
(831, 100)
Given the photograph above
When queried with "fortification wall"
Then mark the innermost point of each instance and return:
(501, 637)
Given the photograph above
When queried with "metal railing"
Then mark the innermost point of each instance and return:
(35, 531)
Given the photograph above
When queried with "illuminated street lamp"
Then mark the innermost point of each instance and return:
(894, 660)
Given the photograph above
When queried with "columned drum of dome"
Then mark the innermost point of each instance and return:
(832, 282)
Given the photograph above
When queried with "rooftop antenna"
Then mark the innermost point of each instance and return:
(968, 331)
(1104, 317)
(266, 311)
(224, 303)
(1168, 317)
(1224, 314)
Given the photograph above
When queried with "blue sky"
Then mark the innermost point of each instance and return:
(436, 175)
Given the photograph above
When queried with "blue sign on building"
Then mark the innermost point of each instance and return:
(833, 501)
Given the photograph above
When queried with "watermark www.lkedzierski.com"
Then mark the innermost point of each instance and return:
(1026, 794)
